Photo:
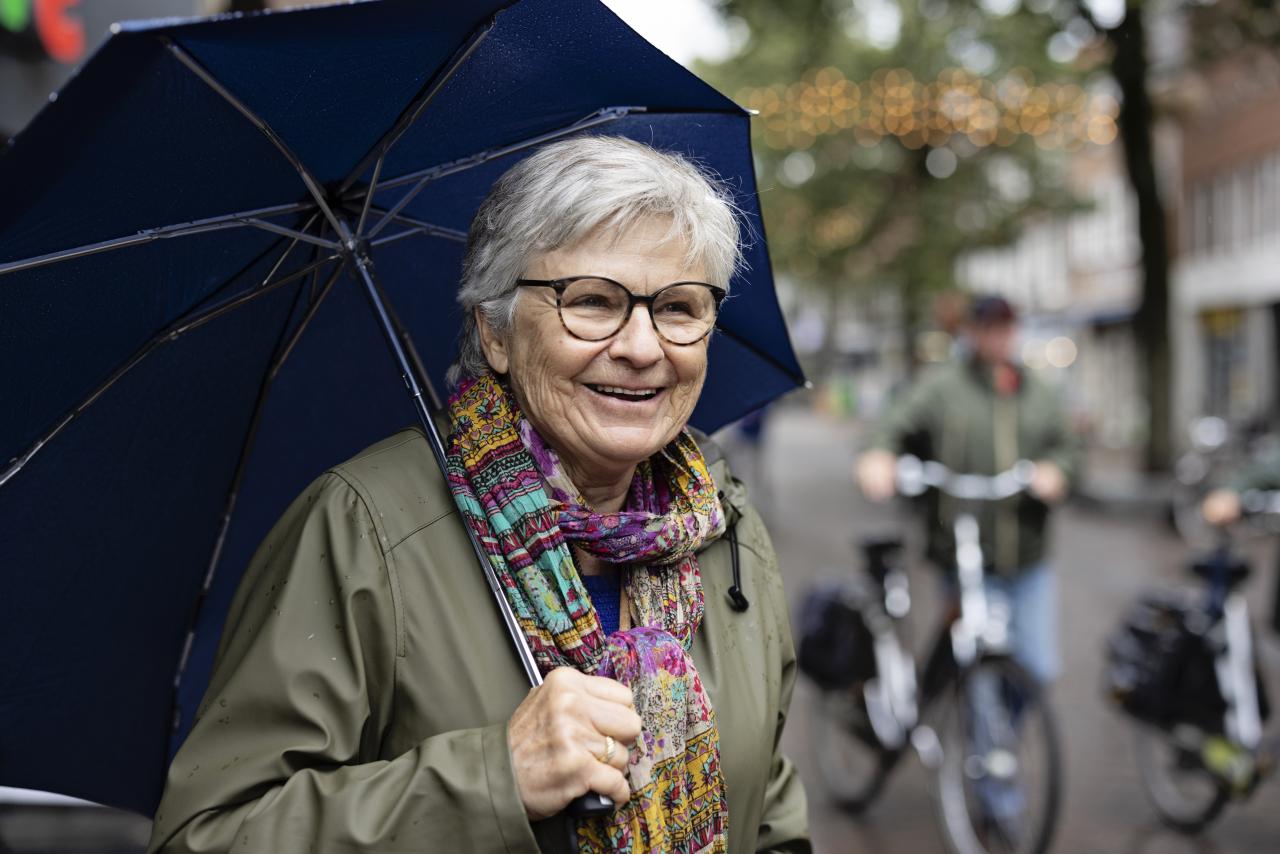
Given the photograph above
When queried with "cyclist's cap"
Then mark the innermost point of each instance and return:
(991, 310)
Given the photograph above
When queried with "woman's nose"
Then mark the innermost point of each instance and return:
(637, 341)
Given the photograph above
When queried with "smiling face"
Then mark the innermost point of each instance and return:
(603, 405)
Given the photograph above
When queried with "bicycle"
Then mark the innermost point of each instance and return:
(1183, 667)
(1216, 449)
(991, 740)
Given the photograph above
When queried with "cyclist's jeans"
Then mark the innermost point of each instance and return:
(1032, 596)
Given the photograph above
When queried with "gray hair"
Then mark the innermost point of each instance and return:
(557, 196)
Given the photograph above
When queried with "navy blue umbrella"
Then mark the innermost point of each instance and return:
(226, 248)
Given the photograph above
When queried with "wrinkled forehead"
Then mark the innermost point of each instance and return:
(659, 234)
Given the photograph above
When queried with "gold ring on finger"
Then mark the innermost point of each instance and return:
(609, 745)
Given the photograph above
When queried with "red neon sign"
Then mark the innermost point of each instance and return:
(60, 32)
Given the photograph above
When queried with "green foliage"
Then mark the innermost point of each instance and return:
(857, 207)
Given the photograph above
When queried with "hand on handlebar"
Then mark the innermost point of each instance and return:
(880, 475)
(1048, 482)
(1221, 507)
(877, 474)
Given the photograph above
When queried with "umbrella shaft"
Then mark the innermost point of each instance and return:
(363, 263)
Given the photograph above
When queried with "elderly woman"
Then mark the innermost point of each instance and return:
(366, 696)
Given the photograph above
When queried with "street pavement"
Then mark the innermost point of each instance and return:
(801, 480)
(1104, 558)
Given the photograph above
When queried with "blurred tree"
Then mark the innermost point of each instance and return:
(1130, 68)
(854, 199)
(894, 135)
(1215, 30)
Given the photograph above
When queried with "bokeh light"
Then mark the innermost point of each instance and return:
(1060, 352)
(957, 105)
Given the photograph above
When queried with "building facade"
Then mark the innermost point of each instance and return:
(1226, 285)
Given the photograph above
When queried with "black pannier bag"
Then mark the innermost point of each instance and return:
(1160, 664)
(835, 647)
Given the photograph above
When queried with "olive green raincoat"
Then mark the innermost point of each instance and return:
(364, 680)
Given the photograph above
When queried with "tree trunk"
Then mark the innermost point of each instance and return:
(1151, 323)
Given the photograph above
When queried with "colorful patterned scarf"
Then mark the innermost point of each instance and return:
(500, 473)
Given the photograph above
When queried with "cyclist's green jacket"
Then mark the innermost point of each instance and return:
(953, 414)
(362, 685)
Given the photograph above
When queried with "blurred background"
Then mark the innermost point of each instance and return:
(1111, 168)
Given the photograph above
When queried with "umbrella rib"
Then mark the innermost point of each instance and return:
(601, 116)
(275, 268)
(296, 235)
(283, 350)
(426, 176)
(200, 226)
(414, 370)
(444, 231)
(411, 369)
(418, 226)
(179, 327)
(421, 101)
(368, 196)
(797, 377)
(429, 231)
(315, 275)
(212, 82)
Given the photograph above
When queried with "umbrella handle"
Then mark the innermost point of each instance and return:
(590, 805)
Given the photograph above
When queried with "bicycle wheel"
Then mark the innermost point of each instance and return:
(998, 787)
(851, 762)
(1185, 795)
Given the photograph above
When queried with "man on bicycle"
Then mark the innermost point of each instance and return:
(980, 413)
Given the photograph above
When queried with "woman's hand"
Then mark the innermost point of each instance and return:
(559, 735)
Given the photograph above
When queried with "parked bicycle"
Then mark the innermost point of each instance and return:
(1183, 666)
(974, 716)
(1216, 448)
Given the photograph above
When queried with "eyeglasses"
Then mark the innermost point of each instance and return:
(594, 308)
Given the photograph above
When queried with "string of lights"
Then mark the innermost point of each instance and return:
(893, 103)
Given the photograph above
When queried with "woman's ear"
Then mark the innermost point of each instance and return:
(493, 345)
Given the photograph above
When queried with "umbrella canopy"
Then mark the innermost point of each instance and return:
(188, 234)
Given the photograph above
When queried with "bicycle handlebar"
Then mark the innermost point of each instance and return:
(914, 476)
(1256, 502)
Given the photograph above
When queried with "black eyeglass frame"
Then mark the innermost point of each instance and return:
(560, 285)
